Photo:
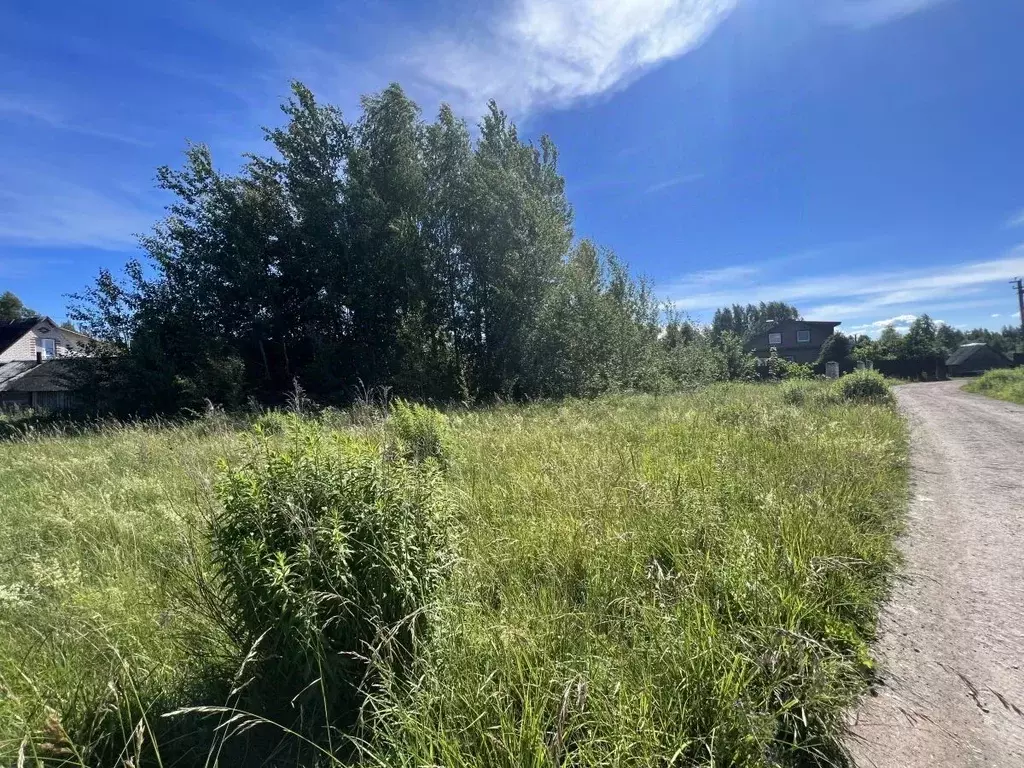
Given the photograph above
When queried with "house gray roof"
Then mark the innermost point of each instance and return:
(12, 330)
(787, 323)
(966, 351)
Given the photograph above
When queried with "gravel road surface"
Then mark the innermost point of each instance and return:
(952, 637)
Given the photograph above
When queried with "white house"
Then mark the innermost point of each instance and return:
(30, 367)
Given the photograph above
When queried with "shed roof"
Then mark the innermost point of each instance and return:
(28, 376)
(966, 351)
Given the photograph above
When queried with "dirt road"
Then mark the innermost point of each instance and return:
(952, 638)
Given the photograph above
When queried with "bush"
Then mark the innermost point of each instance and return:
(326, 557)
(796, 392)
(274, 423)
(421, 432)
(800, 371)
(864, 387)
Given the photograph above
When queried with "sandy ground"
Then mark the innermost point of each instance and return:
(952, 637)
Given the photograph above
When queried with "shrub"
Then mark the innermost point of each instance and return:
(864, 387)
(790, 370)
(421, 432)
(326, 557)
(274, 422)
(795, 392)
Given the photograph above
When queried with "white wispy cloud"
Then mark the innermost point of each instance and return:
(49, 212)
(1017, 220)
(661, 186)
(864, 14)
(898, 320)
(28, 109)
(996, 314)
(538, 53)
(854, 296)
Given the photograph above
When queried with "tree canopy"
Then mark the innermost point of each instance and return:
(389, 251)
(753, 319)
(12, 308)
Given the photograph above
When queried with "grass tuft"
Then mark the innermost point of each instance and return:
(1003, 384)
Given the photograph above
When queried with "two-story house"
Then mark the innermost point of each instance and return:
(799, 341)
(31, 372)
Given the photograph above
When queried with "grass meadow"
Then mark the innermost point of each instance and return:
(1002, 384)
(686, 580)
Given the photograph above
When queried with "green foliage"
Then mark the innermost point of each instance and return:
(618, 606)
(790, 370)
(389, 251)
(864, 387)
(797, 391)
(422, 433)
(1003, 384)
(890, 343)
(738, 364)
(642, 580)
(837, 348)
(751, 320)
(12, 308)
(596, 331)
(921, 341)
(773, 366)
(326, 557)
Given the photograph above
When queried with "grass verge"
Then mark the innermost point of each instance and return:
(1004, 384)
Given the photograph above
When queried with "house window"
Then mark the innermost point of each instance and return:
(48, 347)
(774, 339)
(803, 337)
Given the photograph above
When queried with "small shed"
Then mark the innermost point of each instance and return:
(975, 358)
(35, 385)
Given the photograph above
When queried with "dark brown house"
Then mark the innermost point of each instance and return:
(796, 340)
(974, 358)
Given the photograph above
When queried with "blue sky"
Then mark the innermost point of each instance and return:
(863, 159)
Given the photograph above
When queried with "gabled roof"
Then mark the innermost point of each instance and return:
(13, 330)
(966, 351)
(785, 323)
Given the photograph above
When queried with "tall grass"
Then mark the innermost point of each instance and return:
(679, 580)
(1002, 384)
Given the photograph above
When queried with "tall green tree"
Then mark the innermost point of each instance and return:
(753, 319)
(12, 308)
(948, 338)
(390, 251)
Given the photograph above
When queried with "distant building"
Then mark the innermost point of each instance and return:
(799, 341)
(974, 358)
(34, 356)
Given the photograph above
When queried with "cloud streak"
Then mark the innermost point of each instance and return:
(864, 14)
(28, 110)
(853, 295)
(541, 54)
(674, 182)
(58, 214)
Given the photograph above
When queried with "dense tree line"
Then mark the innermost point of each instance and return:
(923, 349)
(385, 252)
(751, 320)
